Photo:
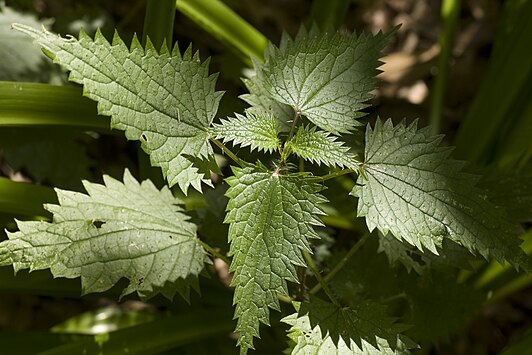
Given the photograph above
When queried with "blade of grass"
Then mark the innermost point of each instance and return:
(154, 337)
(223, 23)
(32, 104)
(328, 14)
(40, 282)
(159, 22)
(521, 346)
(30, 343)
(159, 28)
(450, 10)
(502, 90)
(20, 198)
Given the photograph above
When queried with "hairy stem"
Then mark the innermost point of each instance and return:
(321, 280)
(341, 263)
(214, 252)
(284, 153)
(227, 151)
(335, 174)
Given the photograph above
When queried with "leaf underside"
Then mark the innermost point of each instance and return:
(326, 77)
(320, 328)
(165, 100)
(411, 188)
(271, 218)
(119, 230)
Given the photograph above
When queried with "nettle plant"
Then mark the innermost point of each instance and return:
(306, 99)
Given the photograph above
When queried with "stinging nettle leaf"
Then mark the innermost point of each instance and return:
(321, 148)
(326, 77)
(257, 131)
(320, 327)
(271, 218)
(165, 100)
(119, 230)
(262, 104)
(412, 188)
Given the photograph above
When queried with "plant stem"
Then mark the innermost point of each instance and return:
(214, 252)
(227, 151)
(341, 263)
(450, 10)
(284, 153)
(159, 23)
(320, 279)
(335, 174)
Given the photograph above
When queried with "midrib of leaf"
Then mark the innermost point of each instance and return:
(412, 188)
(163, 99)
(143, 236)
(271, 218)
(312, 74)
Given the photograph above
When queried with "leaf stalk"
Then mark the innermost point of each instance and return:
(321, 280)
(341, 263)
(228, 152)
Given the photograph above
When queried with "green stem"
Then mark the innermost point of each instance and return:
(228, 152)
(21, 198)
(158, 27)
(449, 11)
(214, 252)
(285, 153)
(335, 174)
(159, 22)
(342, 262)
(131, 15)
(328, 14)
(32, 104)
(321, 280)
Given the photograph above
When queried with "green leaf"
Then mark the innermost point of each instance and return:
(45, 156)
(257, 131)
(512, 191)
(262, 104)
(326, 77)
(271, 218)
(119, 230)
(163, 99)
(321, 148)
(439, 306)
(412, 188)
(21, 61)
(320, 327)
(449, 257)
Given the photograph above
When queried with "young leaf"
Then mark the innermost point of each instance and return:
(320, 327)
(165, 100)
(412, 188)
(321, 148)
(262, 104)
(258, 131)
(326, 77)
(119, 230)
(271, 217)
